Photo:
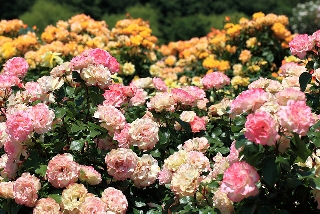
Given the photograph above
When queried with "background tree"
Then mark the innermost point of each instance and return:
(170, 20)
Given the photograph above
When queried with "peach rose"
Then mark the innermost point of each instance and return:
(121, 163)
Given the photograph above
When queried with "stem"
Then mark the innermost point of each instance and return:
(88, 103)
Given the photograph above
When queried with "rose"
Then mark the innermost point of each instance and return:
(73, 196)
(115, 200)
(93, 205)
(16, 66)
(184, 181)
(215, 80)
(162, 101)
(62, 170)
(250, 99)
(296, 116)
(89, 175)
(146, 171)
(25, 189)
(121, 163)
(239, 181)
(144, 133)
(261, 128)
(46, 205)
(300, 44)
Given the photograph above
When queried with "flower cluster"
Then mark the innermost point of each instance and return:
(205, 131)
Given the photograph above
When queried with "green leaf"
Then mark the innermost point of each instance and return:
(293, 182)
(164, 135)
(94, 133)
(60, 112)
(315, 183)
(76, 145)
(139, 204)
(70, 91)
(41, 170)
(76, 75)
(96, 98)
(235, 128)
(56, 197)
(186, 126)
(304, 79)
(156, 153)
(242, 141)
(270, 171)
(216, 132)
(185, 200)
(247, 209)
(213, 184)
(264, 210)
(79, 126)
(239, 120)
(301, 148)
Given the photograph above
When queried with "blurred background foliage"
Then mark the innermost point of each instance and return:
(171, 20)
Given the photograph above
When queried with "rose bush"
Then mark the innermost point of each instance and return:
(191, 133)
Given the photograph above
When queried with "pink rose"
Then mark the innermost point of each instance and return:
(7, 81)
(239, 181)
(100, 56)
(165, 176)
(121, 163)
(112, 118)
(202, 103)
(300, 44)
(292, 69)
(19, 125)
(296, 117)
(95, 56)
(250, 99)
(9, 165)
(198, 124)
(261, 128)
(33, 91)
(234, 153)
(123, 137)
(182, 96)
(198, 160)
(114, 97)
(215, 80)
(42, 118)
(25, 190)
(195, 91)
(93, 205)
(139, 97)
(290, 94)
(159, 84)
(128, 91)
(115, 200)
(62, 171)
(200, 144)
(46, 205)
(113, 65)
(16, 66)
(316, 37)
